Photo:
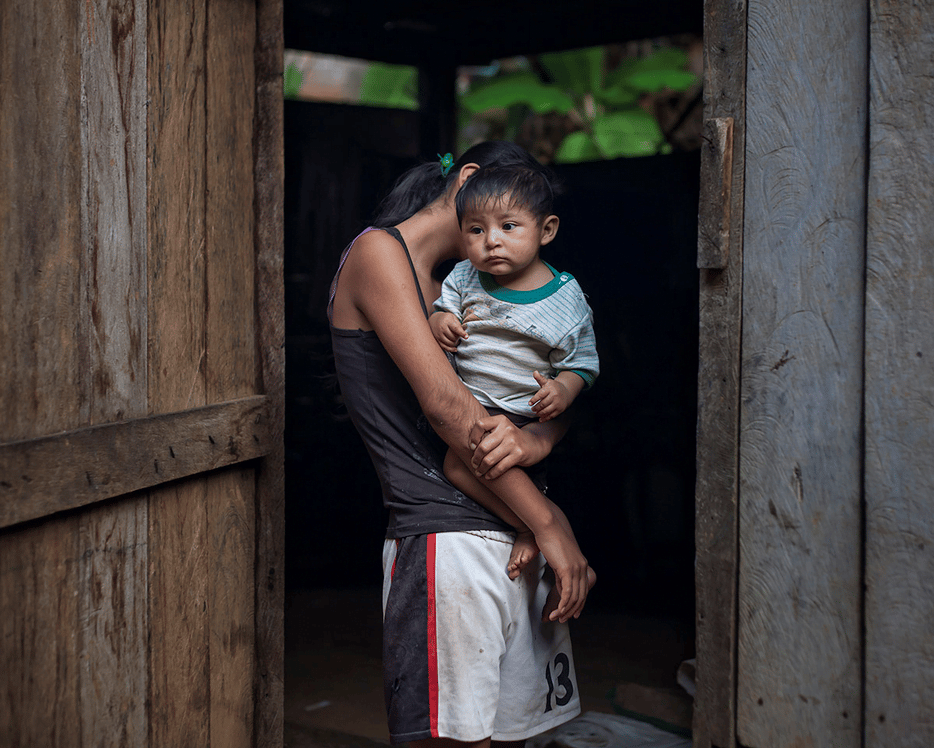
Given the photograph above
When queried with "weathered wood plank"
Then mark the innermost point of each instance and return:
(113, 73)
(268, 175)
(51, 474)
(713, 232)
(42, 355)
(112, 624)
(720, 317)
(39, 652)
(899, 480)
(230, 364)
(231, 531)
(178, 534)
(41, 358)
(230, 326)
(179, 684)
(800, 439)
(176, 189)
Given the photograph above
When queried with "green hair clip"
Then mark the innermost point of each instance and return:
(447, 161)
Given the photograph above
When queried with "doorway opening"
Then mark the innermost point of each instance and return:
(624, 474)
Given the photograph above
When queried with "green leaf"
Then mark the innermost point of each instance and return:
(517, 88)
(579, 71)
(670, 60)
(577, 147)
(292, 81)
(656, 80)
(633, 132)
(665, 58)
(392, 86)
(617, 96)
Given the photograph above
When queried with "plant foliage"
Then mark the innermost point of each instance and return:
(394, 86)
(603, 103)
(292, 81)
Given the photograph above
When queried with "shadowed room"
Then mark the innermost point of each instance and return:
(624, 473)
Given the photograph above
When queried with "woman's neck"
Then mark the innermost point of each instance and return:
(432, 236)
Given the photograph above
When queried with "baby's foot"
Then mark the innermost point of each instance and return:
(551, 602)
(524, 549)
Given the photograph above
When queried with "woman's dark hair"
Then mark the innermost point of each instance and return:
(423, 184)
(519, 186)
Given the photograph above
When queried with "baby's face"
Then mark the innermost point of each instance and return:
(502, 239)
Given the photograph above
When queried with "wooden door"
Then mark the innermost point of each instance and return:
(814, 529)
(142, 369)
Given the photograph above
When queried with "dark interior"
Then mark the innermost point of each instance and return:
(625, 472)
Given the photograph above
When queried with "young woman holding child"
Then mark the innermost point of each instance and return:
(467, 658)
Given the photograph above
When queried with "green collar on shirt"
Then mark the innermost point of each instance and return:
(524, 297)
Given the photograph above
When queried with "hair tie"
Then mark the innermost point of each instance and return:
(447, 161)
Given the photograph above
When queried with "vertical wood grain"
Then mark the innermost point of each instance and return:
(230, 364)
(268, 175)
(39, 652)
(900, 379)
(42, 358)
(178, 537)
(720, 319)
(800, 440)
(179, 680)
(112, 570)
(113, 82)
(230, 508)
(112, 624)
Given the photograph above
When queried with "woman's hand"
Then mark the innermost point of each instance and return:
(498, 445)
(573, 578)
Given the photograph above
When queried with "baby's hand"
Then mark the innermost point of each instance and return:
(551, 400)
(524, 549)
(447, 329)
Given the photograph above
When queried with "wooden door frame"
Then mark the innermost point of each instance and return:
(720, 263)
(269, 188)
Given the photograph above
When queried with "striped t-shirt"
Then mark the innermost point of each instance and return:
(549, 329)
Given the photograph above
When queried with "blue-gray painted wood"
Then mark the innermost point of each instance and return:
(900, 379)
(801, 388)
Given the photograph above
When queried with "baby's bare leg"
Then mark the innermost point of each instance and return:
(524, 549)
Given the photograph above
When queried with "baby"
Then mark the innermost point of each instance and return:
(522, 331)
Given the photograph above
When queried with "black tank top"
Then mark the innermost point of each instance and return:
(405, 450)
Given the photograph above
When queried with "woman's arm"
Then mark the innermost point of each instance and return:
(498, 445)
(378, 278)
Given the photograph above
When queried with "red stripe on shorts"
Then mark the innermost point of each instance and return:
(432, 640)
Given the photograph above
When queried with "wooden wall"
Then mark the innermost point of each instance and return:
(800, 452)
(899, 394)
(815, 594)
(141, 361)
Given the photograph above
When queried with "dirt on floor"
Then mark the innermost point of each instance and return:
(333, 679)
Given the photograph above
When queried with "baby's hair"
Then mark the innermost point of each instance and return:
(518, 186)
(423, 184)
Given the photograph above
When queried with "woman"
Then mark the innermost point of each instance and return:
(466, 656)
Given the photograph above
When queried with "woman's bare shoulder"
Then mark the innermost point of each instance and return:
(374, 254)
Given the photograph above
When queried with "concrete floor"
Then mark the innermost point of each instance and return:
(333, 681)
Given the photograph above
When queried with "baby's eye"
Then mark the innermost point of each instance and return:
(509, 226)
(474, 230)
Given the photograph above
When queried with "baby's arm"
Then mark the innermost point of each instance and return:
(555, 395)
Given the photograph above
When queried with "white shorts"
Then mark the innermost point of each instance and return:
(465, 652)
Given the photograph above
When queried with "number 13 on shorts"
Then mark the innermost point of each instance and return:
(560, 684)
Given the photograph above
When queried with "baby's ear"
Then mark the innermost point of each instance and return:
(549, 229)
(466, 171)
